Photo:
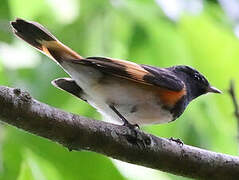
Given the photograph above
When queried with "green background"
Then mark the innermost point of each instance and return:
(126, 29)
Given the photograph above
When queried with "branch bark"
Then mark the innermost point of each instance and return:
(76, 132)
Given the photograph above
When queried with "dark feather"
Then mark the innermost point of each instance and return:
(31, 32)
(163, 78)
(68, 85)
(144, 74)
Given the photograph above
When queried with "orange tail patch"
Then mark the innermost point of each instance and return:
(39, 37)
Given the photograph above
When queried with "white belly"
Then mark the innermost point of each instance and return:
(138, 104)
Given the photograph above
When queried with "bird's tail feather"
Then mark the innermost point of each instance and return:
(40, 38)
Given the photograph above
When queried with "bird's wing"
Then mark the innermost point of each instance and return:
(159, 77)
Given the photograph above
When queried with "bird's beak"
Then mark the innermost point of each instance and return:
(213, 90)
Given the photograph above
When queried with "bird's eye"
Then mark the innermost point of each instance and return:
(197, 77)
(200, 79)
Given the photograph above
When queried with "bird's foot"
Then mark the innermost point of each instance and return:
(177, 140)
(131, 126)
(135, 136)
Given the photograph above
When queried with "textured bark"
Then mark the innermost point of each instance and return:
(76, 132)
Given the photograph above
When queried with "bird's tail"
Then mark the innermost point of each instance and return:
(40, 38)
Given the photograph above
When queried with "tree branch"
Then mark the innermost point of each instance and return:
(76, 132)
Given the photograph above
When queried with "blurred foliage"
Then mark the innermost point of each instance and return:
(4, 21)
(125, 29)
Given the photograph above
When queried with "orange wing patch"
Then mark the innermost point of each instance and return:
(135, 70)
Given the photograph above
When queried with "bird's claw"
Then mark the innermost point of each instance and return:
(131, 126)
(177, 140)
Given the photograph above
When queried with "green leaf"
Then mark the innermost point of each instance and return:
(25, 172)
(37, 168)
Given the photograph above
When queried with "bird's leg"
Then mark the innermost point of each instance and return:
(135, 137)
(126, 123)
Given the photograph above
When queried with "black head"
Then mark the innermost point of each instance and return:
(196, 83)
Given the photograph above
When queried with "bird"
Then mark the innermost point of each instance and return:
(123, 91)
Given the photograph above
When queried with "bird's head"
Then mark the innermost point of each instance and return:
(196, 83)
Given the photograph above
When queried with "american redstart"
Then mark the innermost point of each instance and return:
(119, 89)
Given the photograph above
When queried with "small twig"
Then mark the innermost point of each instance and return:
(235, 104)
